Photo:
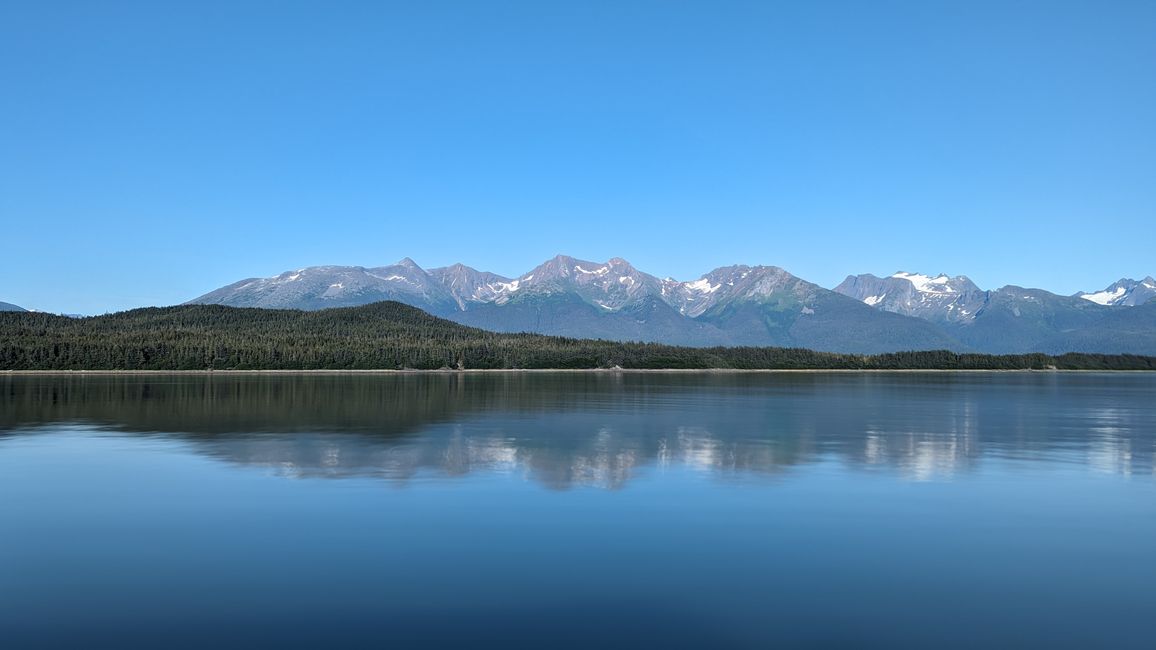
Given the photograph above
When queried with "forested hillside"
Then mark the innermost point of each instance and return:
(390, 335)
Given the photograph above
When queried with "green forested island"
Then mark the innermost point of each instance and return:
(393, 336)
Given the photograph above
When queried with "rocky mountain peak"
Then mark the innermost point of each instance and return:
(468, 285)
(1125, 292)
(939, 298)
(942, 283)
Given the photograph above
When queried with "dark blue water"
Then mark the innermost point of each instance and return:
(579, 510)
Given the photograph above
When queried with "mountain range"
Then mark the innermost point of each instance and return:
(733, 305)
(1011, 318)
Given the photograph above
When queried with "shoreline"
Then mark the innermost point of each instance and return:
(543, 371)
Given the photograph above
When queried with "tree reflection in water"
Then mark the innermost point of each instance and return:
(602, 429)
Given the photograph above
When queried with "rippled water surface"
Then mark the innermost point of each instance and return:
(579, 510)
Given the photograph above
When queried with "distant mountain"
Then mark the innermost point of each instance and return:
(736, 305)
(468, 286)
(765, 305)
(940, 299)
(7, 306)
(1124, 293)
(1016, 318)
(610, 286)
(732, 305)
(1129, 330)
(1008, 319)
(319, 287)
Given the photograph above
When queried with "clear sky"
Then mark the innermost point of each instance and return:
(153, 151)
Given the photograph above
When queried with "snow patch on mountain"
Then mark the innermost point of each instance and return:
(926, 283)
(1105, 297)
(1123, 293)
(702, 286)
(940, 298)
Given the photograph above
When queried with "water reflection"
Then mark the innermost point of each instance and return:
(604, 429)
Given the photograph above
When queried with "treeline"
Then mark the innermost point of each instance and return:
(390, 335)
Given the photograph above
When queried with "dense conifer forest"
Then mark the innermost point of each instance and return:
(390, 335)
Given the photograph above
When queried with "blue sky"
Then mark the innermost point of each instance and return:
(150, 152)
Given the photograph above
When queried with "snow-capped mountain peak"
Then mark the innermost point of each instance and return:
(469, 285)
(936, 298)
(1123, 293)
(941, 283)
(1107, 296)
(724, 285)
(610, 285)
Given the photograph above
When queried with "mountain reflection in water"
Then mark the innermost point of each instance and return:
(602, 429)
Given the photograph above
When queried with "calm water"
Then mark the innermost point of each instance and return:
(579, 510)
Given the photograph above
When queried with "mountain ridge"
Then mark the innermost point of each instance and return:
(1125, 292)
(730, 305)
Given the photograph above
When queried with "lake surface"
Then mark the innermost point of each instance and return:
(578, 510)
